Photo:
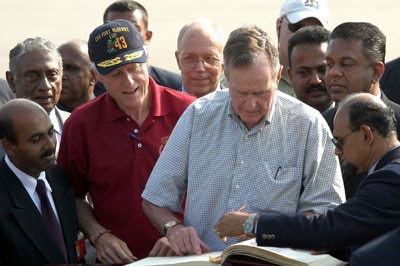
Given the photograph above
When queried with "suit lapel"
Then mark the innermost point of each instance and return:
(28, 216)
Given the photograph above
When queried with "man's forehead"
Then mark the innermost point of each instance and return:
(39, 62)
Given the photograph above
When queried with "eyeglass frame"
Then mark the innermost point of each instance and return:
(339, 143)
(205, 61)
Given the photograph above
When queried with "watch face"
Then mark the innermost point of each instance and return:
(170, 223)
(247, 227)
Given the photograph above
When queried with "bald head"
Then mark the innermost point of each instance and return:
(367, 109)
(80, 45)
(17, 108)
(78, 80)
(202, 27)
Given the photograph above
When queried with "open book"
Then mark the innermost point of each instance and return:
(279, 256)
(246, 251)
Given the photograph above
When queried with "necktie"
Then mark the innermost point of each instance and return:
(50, 218)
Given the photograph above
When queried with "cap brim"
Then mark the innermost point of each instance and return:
(128, 57)
(299, 16)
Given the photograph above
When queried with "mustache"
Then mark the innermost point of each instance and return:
(47, 153)
(313, 87)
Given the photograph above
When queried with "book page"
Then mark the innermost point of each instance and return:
(201, 260)
(281, 256)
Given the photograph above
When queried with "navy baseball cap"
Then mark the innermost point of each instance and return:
(114, 44)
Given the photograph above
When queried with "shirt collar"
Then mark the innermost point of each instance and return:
(219, 87)
(29, 182)
(55, 121)
(266, 121)
(159, 103)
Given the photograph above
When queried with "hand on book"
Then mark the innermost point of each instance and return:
(185, 240)
(162, 248)
(231, 225)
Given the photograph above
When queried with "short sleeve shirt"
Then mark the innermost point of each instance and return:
(102, 158)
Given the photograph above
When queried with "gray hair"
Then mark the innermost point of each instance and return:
(245, 44)
(37, 44)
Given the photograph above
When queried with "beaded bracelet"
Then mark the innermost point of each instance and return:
(99, 236)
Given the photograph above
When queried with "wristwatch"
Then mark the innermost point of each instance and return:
(169, 225)
(248, 225)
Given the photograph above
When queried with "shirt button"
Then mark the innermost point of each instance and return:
(241, 162)
(136, 130)
(245, 138)
(139, 145)
(237, 186)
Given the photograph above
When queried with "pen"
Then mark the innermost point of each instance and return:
(134, 136)
(242, 208)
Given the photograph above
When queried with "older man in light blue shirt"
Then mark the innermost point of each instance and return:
(250, 144)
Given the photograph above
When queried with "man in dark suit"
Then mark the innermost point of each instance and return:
(384, 250)
(390, 81)
(355, 60)
(28, 138)
(365, 136)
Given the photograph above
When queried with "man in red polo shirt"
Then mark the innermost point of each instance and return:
(111, 144)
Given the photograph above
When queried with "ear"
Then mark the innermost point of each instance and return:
(278, 27)
(279, 75)
(289, 71)
(10, 80)
(177, 59)
(149, 35)
(368, 134)
(379, 68)
(9, 148)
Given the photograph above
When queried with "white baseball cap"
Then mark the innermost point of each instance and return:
(297, 10)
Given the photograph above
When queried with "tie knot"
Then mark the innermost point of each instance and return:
(41, 187)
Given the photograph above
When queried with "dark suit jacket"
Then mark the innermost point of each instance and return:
(161, 76)
(352, 181)
(24, 237)
(374, 210)
(165, 77)
(384, 250)
(390, 81)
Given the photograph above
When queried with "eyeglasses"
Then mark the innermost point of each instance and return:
(293, 27)
(340, 142)
(208, 61)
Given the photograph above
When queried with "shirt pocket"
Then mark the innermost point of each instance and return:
(277, 190)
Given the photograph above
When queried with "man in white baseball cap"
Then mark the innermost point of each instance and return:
(294, 15)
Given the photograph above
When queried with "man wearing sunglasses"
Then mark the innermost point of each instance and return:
(294, 15)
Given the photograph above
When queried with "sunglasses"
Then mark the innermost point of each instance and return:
(340, 142)
(293, 27)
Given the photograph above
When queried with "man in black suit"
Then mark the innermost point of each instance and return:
(137, 14)
(365, 136)
(390, 81)
(28, 138)
(355, 60)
